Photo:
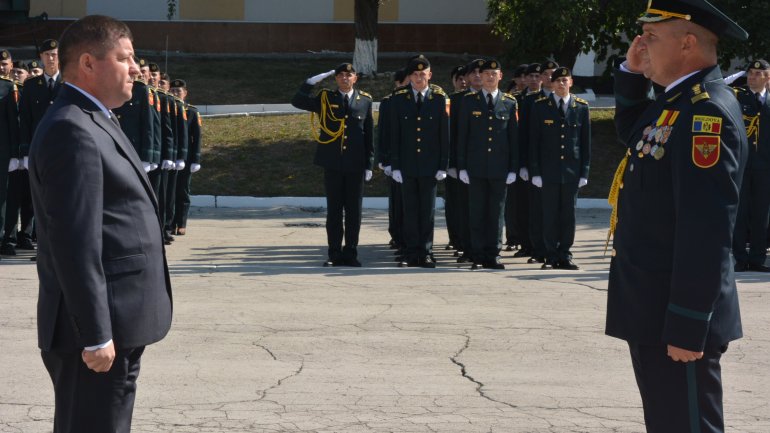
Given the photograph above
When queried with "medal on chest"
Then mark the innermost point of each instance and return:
(655, 136)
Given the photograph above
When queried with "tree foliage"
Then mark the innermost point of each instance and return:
(561, 29)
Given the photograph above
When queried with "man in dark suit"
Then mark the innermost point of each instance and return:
(559, 159)
(100, 307)
(754, 208)
(346, 152)
(672, 293)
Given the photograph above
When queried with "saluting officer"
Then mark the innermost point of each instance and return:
(419, 156)
(9, 139)
(346, 152)
(559, 163)
(487, 160)
(192, 159)
(672, 292)
(754, 207)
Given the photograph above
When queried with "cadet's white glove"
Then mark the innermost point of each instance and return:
(452, 172)
(147, 167)
(511, 178)
(388, 170)
(397, 176)
(440, 175)
(179, 164)
(464, 177)
(153, 166)
(320, 77)
(167, 165)
(368, 175)
(537, 181)
(13, 164)
(524, 174)
(25, 163)
(582, 182)
(194, 167)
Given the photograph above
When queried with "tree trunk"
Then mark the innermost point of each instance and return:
(365, 56)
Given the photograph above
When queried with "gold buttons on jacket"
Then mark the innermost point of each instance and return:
(418, 150)
(419, 129)
(419, 118)
(562, 157)
(419, 139)
(490, 128)
(489, 150)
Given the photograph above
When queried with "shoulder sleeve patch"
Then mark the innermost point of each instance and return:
(705, 150)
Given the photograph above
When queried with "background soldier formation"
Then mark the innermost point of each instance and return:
(164, 129)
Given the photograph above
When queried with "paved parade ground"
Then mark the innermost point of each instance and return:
(264, 339)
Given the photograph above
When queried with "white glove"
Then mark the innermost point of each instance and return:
(511, 178)
(179, 164)
(25, 163)
(388, 171)
(194, 167)
(397, 176)
(147, 167)
(13, 164)
(368, 175)
(167, 165)
(452, 172)
(379, 164)
(582, 182)
(537, 181)
(440, 175)
(153, 166)
(320, 77)
(463, 175)
(524, 174)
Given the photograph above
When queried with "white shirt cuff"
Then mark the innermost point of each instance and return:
(97, 347)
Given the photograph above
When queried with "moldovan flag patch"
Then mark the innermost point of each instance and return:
(705, 150)
(707, 124)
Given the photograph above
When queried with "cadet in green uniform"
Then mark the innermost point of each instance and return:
(451, 210)
(20, 71)
(136, 117)
(672, 293)
(754, 208)
(9, 139)
(168, 147)
(35, 70)
(181, 143)
(513, 233)
(558, 163)
(192, 159)
(487, 160)
(419, 127)
(346, 152)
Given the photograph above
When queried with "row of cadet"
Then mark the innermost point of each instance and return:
(164, 129)
(510, 159)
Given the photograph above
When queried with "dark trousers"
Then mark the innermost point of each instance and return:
(558, 210)
(163, 194)
(753, 217)
(512, 236)
(451, 210)
(170, 201)
(155, 177)
(487, 207)
(536, 221)
(419, 195)
(463, 218)
(396, 214)
(182, 207)
(679, 397)
(344, 198)
(521, 189)
(3, 190)
(93, 402)
(19, 201)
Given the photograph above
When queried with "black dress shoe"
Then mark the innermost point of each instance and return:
(509, 248)
(568, 264)
(458, 253)
(392, 244)
(741, 267)
(428, 262)
(476, 266)
(400, 259)
(413, 263)
(465, 258)
(494, 265)
(522, 253)
(449, 247)
(532, 260)
(7, 250)
(758, 268)
(33, 259)
(547, 266)
(328, 264)
(167, 237)
(25, 244)
(353, 262)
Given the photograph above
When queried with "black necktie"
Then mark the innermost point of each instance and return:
(759, 99)
(50, 84)
(490, 104)
(346, 102)
(419, 101)
(561, 107)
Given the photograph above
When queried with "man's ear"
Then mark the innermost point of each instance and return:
(86, 62)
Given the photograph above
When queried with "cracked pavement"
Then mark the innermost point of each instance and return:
(264, 339)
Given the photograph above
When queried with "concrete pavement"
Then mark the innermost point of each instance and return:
(266, 340)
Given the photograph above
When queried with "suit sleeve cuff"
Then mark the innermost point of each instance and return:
(98, 346)
(686, 328)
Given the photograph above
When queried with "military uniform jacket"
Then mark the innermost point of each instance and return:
(383, 133)
(354, 151)
(560, 146)
(419, 139)
(194, 125)
(756, 118)
(181, 138)
(136, 119)
(35, 100)
(157, 127)
(487, 142)
(9, 126)
(455, 101)
(671, 276)
(167, 126)
(528, 100)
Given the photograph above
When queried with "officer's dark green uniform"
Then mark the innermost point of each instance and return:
(419, 150)
(395, 205)
(754, 208)
(451, 210)
(9, 141)
(168, 127)
(136, 117)
(561, 158)
(513, 232)
(345, 150)
(671, 277)
(192, 156)
(181, 143)
(487, 148)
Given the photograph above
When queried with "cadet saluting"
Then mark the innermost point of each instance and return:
(672, 291)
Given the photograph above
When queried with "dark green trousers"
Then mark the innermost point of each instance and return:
(487, 210)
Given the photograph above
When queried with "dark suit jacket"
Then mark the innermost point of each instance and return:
(101, 262)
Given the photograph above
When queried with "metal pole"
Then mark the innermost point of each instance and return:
(165, 66)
